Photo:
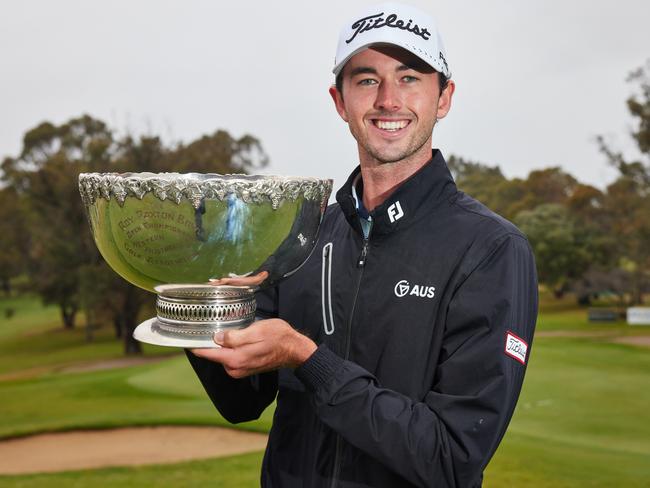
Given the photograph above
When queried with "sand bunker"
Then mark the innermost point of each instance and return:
(122, 447)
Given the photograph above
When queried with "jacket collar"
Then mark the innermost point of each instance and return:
(419, 194)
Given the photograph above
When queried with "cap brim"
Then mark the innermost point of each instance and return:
(339, 66)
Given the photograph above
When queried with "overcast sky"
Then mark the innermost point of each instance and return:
(536, 80)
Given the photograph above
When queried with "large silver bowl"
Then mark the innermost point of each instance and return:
(170, 228)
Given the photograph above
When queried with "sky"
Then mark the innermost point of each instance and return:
(536, 80)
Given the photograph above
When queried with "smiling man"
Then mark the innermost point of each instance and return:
(397, 352)
(393, 100)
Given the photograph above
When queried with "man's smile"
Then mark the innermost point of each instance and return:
(390, 125)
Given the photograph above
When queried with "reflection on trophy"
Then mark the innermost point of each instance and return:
(172, 233)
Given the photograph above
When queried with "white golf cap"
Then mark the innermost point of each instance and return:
(397, 24)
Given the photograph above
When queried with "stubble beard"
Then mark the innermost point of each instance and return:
(386, 156)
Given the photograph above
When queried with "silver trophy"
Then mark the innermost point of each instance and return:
(172, 233)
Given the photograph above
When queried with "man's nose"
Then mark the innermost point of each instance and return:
(388, 97)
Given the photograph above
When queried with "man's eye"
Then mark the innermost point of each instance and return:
(367, 81)
(409, 79)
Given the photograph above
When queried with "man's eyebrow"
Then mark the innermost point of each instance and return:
(419, 67)
(363, 70)
(367, 70)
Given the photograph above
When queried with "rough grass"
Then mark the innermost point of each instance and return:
(24, 314)
(34, 342)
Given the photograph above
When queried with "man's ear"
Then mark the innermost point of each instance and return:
(444, 102)
(338, 102)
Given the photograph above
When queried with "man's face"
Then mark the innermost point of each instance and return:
(391, 100)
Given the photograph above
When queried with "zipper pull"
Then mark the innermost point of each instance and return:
(364, 254)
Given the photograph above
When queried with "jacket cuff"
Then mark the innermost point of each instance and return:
(319, 368)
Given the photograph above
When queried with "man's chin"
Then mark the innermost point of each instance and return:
(406, 150)
(389, 157)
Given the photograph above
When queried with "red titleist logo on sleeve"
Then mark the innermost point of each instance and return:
(516, 347)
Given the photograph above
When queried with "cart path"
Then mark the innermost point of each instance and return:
(612, 336)
(122, 447)
(576, 333)
(642, 341)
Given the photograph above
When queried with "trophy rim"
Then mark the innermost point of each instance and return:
(196, 187)
(200, 177)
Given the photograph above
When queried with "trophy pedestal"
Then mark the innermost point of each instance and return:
(189, 315)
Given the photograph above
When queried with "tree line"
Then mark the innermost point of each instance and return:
(589, 241)
(585, 240)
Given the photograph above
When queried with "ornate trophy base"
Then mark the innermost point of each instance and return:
(189, 315)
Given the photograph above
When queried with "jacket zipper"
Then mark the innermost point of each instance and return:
(326, 289)
(361, 263)
(363, 256)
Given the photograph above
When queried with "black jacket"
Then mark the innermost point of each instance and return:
(423, 331)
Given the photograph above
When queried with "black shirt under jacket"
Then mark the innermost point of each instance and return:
(423, 329)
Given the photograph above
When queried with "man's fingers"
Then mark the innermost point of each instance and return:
(238, 363)
(238, 337)
(231, 360)
(242, 280)
(237, 373)
(217, 354)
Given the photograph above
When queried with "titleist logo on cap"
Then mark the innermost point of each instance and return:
(377, 21)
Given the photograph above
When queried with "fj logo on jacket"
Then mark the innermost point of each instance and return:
(395, 212)
(403, 288)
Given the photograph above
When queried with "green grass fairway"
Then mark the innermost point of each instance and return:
(583, 419)
(165, 393)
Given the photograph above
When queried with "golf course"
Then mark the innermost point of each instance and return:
(583, 418)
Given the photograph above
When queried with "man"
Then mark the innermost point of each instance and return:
(399, 348)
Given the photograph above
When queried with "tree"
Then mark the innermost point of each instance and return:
(217, 153)
(550, 185)
(14, 239)
(628, 199)
(557, 243)
(488, 185)
(478, 180)
(45, 176)
(509, 197)
(598, 282)
(628, 214)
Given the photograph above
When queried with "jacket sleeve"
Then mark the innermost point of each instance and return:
(447, 437)
(239, 400)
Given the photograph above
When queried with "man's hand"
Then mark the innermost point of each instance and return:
(263, 346)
